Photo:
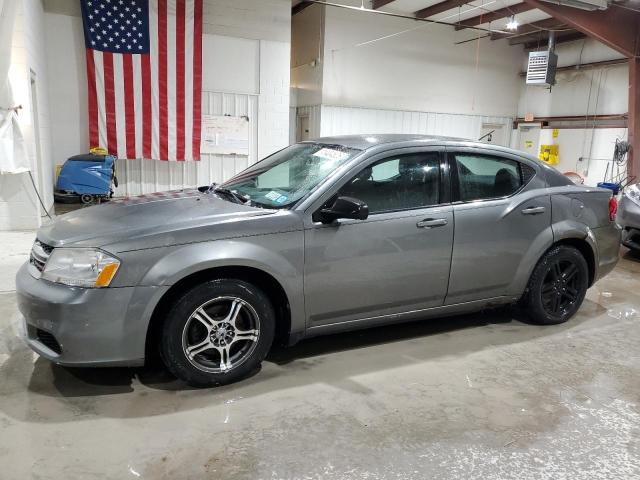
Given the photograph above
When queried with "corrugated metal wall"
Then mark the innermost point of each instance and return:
(353, 120)
(146, 176)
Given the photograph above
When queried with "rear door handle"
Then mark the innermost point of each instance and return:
(432, 222)
(533, 210)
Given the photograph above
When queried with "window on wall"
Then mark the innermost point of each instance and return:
(397, 183)
(482, 177)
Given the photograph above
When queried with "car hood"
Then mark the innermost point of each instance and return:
(143, 216)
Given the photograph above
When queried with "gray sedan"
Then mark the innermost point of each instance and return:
(324, 236)
(629, 217)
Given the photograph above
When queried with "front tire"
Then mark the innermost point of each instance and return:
(557, 286)
(217, 332)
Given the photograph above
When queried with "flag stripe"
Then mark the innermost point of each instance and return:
(120, 111)
(155, 107)
(188, 87)
(180, 81)
(129, 105)
(162, 79)
(197, 77)
(94, 141)
(171, 80)
(147, 121)
(110, 102)
(102, 111)
(137, 104)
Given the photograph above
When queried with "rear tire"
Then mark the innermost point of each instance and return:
(557, 286)
(217, 332)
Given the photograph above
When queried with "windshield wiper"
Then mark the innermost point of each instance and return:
(233, 194)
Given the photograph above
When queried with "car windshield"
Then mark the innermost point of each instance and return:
(283, 178)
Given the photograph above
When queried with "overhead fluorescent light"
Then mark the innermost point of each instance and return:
(512, 24)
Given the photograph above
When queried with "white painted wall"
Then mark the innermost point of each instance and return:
(19, 207)
(415, 66)
(596, 91)
(581, 92)
(246, 69)
(351, 120)
(356, 72)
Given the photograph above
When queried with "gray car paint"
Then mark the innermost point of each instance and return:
(629, 219)
(347, 275)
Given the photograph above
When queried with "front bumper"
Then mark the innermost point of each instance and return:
(85, 326)
(629, 219)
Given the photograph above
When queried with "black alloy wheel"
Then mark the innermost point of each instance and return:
(557, 286)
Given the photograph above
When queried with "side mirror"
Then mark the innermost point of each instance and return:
(344, 207)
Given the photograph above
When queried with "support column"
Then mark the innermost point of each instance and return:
(633, 122)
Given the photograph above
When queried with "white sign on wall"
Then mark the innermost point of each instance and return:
(225, 135)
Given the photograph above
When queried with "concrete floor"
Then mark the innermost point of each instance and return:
(480, 396)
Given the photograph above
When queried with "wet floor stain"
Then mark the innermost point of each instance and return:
(483, 396)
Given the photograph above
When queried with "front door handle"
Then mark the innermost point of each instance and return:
(533, 210)
(432, 222)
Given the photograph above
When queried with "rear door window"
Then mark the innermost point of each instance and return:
(483, 177)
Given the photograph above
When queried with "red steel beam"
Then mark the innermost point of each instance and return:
(439, 8)
(633, 126)
(495, 15)
(618, 28)
(542, 39)
(537, 43)
(380, 3)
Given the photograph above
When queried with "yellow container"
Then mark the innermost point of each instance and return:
(550, 154)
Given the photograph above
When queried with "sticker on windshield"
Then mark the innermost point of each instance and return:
(273, 195)
(281, 199)
(331, 154)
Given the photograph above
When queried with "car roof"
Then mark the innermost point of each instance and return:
(365, 141)
(391, 140)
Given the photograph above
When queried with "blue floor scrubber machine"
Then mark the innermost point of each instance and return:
(87, 178)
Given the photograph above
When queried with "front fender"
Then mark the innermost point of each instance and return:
(279, 255)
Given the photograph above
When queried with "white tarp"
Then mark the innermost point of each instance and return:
(13, 155)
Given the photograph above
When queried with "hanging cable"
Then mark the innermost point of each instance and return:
(38, 195)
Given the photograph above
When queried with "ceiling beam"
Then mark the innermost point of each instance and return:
(529, 28)
(495, 15)
(439, 8)
(532, 43)
(376, 4)
(616, 27)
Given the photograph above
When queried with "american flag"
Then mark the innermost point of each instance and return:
(144, 73)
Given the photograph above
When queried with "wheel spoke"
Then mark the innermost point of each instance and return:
(570, 272)
(571, 294)
(547, 288)
(557, 272)
(225, 360)
(236, 306)
(202, 316)
(555, 303)
(194, 350)
(251, 335)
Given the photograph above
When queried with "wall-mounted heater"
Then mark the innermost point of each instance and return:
(541, 68)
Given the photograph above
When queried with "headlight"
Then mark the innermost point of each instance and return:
(80, 267)
(633, 193)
